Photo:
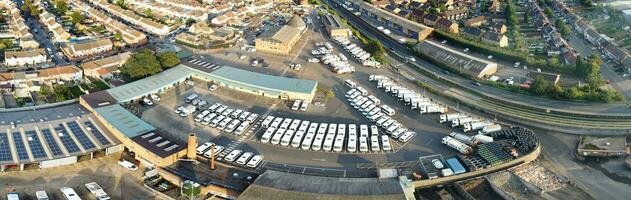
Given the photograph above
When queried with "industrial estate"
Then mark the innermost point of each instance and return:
(315, 99)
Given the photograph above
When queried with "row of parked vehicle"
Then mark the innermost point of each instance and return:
(357, 52)
(369, 106)
(409, 97)
(247, 159)
(323, 136)
(67, 192)
(338, 62)
(226, 119)
(301, 105)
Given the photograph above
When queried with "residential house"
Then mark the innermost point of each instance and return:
(455, 14)
(81, 50)
(475, 22)
(472, 32)
(106, 67)
(61, 73)
(430, 19)
(447, 25)
(495, 6)
(618, 55)
(495, 39)
(498, 27)
(25, 57)
(417, 15)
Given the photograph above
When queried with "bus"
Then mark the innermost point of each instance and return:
(341, 129)
(276, 122)
(267, 135)
(338, 145)
(304, 126)
(294, 125)
(286, 123)
(328, 142)
(267, 121)
(387, 110)
(352, 129)
(363, 144)
(363, 130)
(385, 143)
(317, 143)
(69, 193)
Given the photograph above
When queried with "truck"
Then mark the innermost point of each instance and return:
(472, 126)
(490, 128)
(464, 138)
(461, 121)
(418, 103)
(433, 109)
(377, 77)
(451, 116)
(371, 63)
(190, 109)
(484, 139)
(457, 145)
(97, 191)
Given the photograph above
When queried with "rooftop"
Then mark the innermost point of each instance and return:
(124, 121)
(259, 80)
(221, 176)
(149, 84)
(602, 143)
(159, 144)
(333, 22)
(286, 186)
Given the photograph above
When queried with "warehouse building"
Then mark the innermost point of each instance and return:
(455, 60)
(334, 26)
(590, 146)
(410, 28)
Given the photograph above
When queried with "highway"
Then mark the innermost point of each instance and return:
(572, 117)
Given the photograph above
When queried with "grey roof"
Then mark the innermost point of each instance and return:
(333, 21)
(297, 22)
(160, 144)
(149, 85)
(264, 81)
(124, 121)
(286, 186)
(280, 33)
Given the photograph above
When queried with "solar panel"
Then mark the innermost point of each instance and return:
(163, 143)
(171, 147)
(70, 145)
(145, 136)
(20, 148)
(5, 150)
(36, 146)
(95, 131)
(80, 135)
(52, 144)
(155, 139)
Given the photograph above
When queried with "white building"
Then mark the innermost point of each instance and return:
(27, 57)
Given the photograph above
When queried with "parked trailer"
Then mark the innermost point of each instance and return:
(484, 139)
(464, 138)
(457, 145)
(451, 116)
(433, 109)
(377, 77)
(472, 126)
(490, 128)
(462, 121)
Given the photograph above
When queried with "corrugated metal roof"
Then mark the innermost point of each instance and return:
(149, 84)
(124, 121)
(264, 81)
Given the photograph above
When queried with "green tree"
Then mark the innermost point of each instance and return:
(573, 93)
(141, 64)
(6, 44)
(587, 3)
(442, 7)
(548, 12)
(526, 17)
(61, 7)
(563, 29)
(168, 59)
(148, 13)
(375, 48)
(118, 37)
(121, 3)
(539, 86)
(34, 11)
(76, 17)
(554, 62)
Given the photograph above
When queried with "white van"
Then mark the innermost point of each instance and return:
(393, 127)
(222, 125)
(244, 115)
(296, 105)
(295, 142)
(317, 143)
(236, 113)
(285, 123)
(374, 143)
(41, 195)
(217, 120)
(69, 193)
(363, 144)
(304, 106)
(233, 125)
(267, 121)
(278, 136)
(387, 110)
(209, 118)
(385, 143)
(203, 147)
(328, 142)
(233, 155)
(286, 139)
(352, 143)
(338, 145)
(407, 136)
(218, 149)
(294, 125)
(189, 99)
(374, 130)
(397, 133)
(252, 117)
(244, 158)
(267, 135)
(350, 83)
(363, 130)
(255, 161)
(375, 117)
(242, 128)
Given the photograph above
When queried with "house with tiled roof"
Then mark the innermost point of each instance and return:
(447, 25)
(24, 57)
(430, 19)
(498, 27)
(495, 39)
(417, 15)
(79, 50)
(472, 32)
(455, 14)
(475, 21)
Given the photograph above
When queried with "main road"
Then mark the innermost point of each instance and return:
(572, 117)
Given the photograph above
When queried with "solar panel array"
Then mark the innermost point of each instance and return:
(36, 146)
(5, 150)
(66, 140)
(52, 144)
(80, 135)
(95, 131)
(20, 148)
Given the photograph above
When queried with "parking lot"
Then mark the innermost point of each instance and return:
(114, 179)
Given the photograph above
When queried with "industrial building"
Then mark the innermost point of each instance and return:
(590, 146)
(334, 26)
(456, 61)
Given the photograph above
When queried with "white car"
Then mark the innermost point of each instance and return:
(437, 164)
(155, 97)
(242, 57)
(179, 110)
(255, 161)
(233, 155)
(128, 165)
(254, 63)
(146, 101)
